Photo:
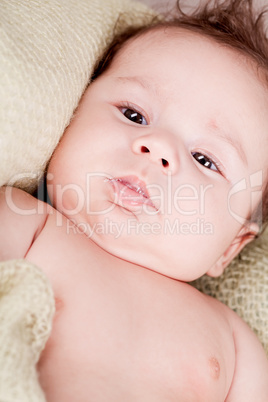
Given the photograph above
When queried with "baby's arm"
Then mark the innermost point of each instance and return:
(250, 381)
(22, 218)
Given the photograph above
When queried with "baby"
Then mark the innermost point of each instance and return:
(151, 188)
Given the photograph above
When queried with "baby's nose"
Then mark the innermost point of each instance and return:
(159, 150)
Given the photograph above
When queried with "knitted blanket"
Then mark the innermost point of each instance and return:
(26, 312)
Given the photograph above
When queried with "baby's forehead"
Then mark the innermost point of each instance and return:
(154, 42)
(160, 36)
(157, 42)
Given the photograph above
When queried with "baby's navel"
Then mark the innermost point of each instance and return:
(215, 368)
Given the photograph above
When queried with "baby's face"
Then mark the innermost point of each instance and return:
(162, 163)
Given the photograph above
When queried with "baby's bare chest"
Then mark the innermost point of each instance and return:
(139, 327)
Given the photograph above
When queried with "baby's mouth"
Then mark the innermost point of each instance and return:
(130, 190)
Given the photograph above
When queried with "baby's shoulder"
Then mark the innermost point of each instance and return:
(22, 218)
(18, 201)
(17, 205)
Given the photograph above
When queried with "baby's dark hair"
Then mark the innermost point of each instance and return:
(232, 23)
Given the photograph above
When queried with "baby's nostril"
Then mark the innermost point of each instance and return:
(165, 163)
(144, 149)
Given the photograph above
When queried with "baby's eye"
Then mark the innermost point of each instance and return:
(205, 161)
(134, 116)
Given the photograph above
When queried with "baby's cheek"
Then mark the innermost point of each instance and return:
(241, 201)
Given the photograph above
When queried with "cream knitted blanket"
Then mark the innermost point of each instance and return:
(26, 312)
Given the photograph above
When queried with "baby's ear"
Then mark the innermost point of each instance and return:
(245, 236)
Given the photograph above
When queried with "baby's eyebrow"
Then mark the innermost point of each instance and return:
(144, 84)
(230, 140)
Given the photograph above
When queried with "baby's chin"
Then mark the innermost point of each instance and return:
(134, 257)
(125, 238)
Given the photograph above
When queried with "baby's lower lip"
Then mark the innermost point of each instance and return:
(130, 192)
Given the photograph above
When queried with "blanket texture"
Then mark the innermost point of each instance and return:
(26, 312)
